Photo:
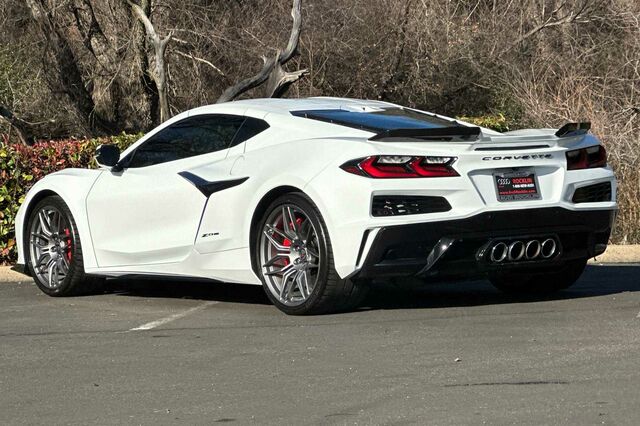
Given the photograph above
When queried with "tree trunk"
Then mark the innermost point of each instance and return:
(68, 72)
(146, 80)
(159, 73)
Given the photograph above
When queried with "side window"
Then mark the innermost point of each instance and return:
(201, 134)
(250, 128)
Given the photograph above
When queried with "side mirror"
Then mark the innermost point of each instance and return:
(107, 155)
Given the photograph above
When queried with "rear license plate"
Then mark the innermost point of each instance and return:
(517, 186)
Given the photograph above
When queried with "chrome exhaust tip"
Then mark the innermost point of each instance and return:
(548, 248)
(499, 252)
(516, 250)
(532, 250)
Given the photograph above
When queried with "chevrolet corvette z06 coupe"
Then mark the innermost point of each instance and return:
(315, 198)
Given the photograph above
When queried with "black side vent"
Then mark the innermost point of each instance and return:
(397, 205)
(593, 193)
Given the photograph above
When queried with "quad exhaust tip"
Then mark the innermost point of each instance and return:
(519, 250)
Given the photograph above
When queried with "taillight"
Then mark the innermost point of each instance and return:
(401, 166)
(587, 158)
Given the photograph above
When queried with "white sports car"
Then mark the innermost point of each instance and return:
(313, 198)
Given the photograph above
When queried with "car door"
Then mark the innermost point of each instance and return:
(148, 213)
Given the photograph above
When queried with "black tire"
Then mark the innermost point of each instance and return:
(331, 293)
(539, 282)
(75, 282)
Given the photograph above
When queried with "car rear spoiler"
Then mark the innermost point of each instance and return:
(573, 129)
(432, 134)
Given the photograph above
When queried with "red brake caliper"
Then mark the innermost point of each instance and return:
(67, 234)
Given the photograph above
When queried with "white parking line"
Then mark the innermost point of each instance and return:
(165, 320)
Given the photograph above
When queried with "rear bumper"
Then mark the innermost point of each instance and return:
(450, 249)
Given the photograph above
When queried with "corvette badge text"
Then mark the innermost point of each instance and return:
(520, 157)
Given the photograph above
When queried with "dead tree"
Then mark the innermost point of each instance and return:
(64, 70)
(159, 72)
(273, 73)
(20, 126)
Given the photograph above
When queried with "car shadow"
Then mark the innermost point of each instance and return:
(596, 281)
(189, 289)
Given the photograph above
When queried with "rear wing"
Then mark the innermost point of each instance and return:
(573, 129)
(431, 134)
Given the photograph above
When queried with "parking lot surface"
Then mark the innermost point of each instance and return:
(458, 353)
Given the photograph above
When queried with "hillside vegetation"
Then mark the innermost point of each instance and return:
(83, 68)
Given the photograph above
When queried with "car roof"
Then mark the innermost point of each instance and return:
(285, 106)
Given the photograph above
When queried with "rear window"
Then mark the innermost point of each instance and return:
(378, 121)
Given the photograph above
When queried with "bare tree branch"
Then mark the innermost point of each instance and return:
(294, 38)
(278, 80)
(569, 18)
(204, 61)
(20, 126)
(248, 83)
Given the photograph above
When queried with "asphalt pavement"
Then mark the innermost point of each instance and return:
(193, 353)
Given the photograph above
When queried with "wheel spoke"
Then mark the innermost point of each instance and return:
(64, 264)
(303, 283)
(62, 268)
(283, 270)
(289, 219)
(41, 236)
(276, 231)
(41, 260)
(51, 267)
(274, 259)
(288, 280)
(57, 220)
(277, 245)
(45, 222)
(312, 252)
(37, 237)
(309, 232)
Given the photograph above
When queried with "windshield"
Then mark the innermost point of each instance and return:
(378, 121)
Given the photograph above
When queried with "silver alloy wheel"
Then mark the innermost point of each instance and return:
(289, 255)
(50, 246)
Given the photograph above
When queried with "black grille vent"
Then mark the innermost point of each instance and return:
(398, 205)
(593, 193)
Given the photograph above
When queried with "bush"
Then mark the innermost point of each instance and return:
(22, 166)
(497, 122)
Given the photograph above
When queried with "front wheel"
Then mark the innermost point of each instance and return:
(543, 282)
(54, 250)
(295, 260)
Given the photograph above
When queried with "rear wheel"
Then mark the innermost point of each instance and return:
(295, 260)
(55, 252)
(543, 282)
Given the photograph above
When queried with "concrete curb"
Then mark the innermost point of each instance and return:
(619, 254)
(7, 275)
(614, 254)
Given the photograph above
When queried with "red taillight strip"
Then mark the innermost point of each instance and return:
(413, 167)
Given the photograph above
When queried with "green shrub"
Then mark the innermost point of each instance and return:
(22, 166)
(497, 122)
